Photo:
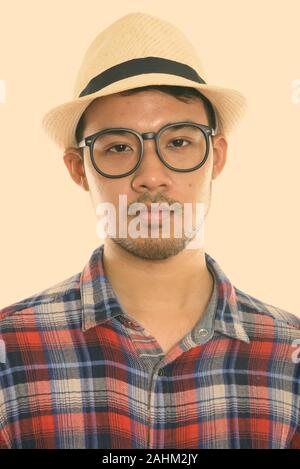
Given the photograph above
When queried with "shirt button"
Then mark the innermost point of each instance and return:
(203, 332)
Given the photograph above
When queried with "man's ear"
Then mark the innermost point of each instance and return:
(74, 162)
(220, 145)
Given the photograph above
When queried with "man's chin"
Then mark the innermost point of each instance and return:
(152, 248)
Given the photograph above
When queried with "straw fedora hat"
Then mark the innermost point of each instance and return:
(137, 50)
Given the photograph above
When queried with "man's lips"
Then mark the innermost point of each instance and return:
(154, 215)
(157, 208)
(154, 212)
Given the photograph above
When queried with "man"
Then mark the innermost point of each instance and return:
(150, 346)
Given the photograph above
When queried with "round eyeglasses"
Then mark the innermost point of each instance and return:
(118, 152)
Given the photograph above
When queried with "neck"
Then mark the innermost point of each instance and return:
(172, 287)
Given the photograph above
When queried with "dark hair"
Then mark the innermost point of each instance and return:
(183, 93)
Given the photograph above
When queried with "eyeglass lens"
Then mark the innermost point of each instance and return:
(117, 152)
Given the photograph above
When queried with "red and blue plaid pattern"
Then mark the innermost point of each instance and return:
(77, 372)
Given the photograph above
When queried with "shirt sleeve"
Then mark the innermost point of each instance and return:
(4, 444)
(295, 442)
(4, 438)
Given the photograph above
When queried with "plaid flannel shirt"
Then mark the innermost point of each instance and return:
(76, 371)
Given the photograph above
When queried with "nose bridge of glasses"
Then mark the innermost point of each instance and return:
(148, 135)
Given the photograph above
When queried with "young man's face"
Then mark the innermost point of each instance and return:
(147, 111)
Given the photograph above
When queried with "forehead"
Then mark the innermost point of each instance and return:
(145, 110)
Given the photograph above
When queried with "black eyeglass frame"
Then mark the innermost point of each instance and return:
(90, 140)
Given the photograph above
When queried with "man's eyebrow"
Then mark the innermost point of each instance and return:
(183, 125)
(132, 128)
(115, 132)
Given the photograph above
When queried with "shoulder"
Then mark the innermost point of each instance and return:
(59, 292)
(263, 318)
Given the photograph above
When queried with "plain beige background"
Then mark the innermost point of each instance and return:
(48, 227)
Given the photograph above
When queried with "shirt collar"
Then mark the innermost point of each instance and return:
(100, 303)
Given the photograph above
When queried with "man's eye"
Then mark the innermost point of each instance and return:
(178, 142)
(120, 148)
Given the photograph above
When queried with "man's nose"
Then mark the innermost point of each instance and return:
(152, 174)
